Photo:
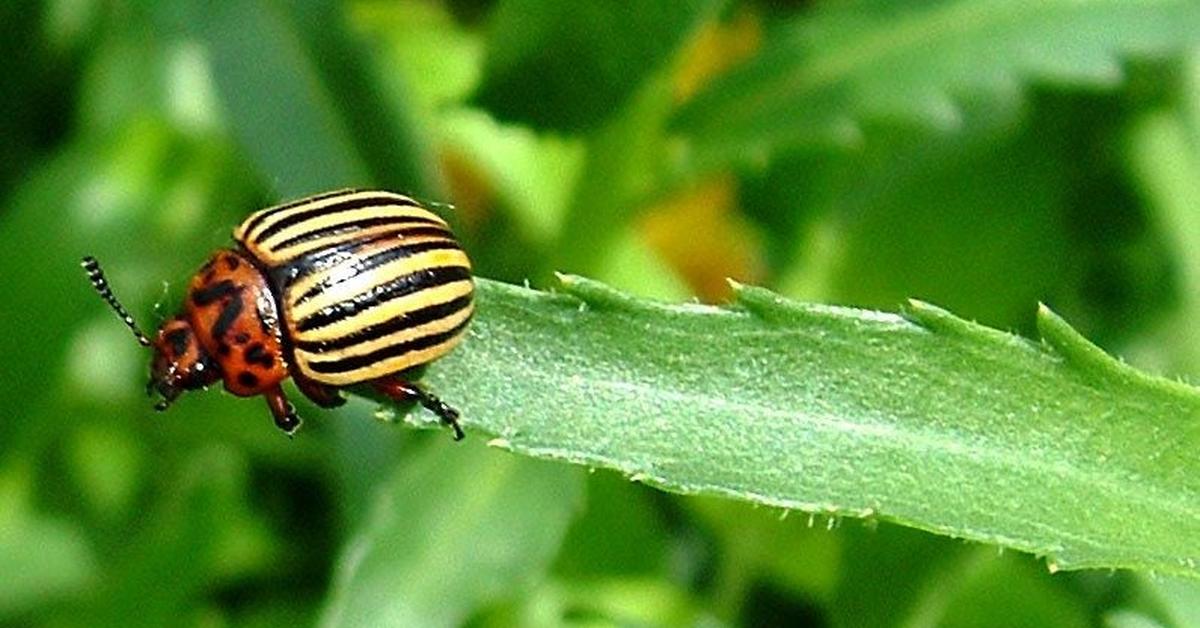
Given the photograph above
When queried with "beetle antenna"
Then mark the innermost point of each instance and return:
(96, 275)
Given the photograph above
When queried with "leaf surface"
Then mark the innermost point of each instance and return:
(927, 419)
(567, 66)
(825, 74)
(452, 530)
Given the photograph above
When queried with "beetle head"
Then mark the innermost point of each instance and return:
(179, 364)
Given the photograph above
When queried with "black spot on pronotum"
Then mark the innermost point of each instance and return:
(247, 379)
(214, 292)
(178, 338)
(257, 354)
(231, 262)
(241, 338)
(232, 311)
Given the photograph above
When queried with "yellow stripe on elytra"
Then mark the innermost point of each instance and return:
(335, 219)
(354, 283)
(311, 279)
(380, 313)
(405, 335)
(383, 368)
(241, 233)
(297, 250)
(383, 199)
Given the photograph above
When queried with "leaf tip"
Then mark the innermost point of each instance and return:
(938, 320)
(928, 315)
(500, 443)
(761, 302)
(917, 304)
(1081, 353)
(1070, 344)
(594, 293)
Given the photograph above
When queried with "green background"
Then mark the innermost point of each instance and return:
(980, 155)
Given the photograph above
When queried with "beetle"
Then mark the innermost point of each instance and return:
(351, 287)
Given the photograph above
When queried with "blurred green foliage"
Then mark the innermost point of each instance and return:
(981, 155)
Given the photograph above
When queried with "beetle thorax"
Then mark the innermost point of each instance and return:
(236, 322)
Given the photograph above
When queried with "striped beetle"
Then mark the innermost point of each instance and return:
(339, 289)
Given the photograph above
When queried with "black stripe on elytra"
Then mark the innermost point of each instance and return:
(415, 318)
(221, 289)
(349, 204)
(371, 262)
(391, 351)
(233, 309)
(378, 295)
(322, 258)
(364, 223)
(271, 211)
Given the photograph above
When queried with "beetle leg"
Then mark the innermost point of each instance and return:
(284, 413)
(404, 392)
(320, 394)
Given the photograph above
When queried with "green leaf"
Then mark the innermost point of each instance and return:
(382, 123)
(991, 591)
(589, 550)
(821, 77)
(1128, 619)
(620, 173)
(568, 65)
(1171, 602)
(760, 546)
(1180, 599)
(108, 465)
(455, 528)
(893, 576)
(1165, 168)
(53, 556)
(897, 577)
(608, 602)
(279, 106)
(205, 535)
(533, 175)
(927, 420)
(994, 206)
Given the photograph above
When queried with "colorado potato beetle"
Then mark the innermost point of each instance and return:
(353, 287)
